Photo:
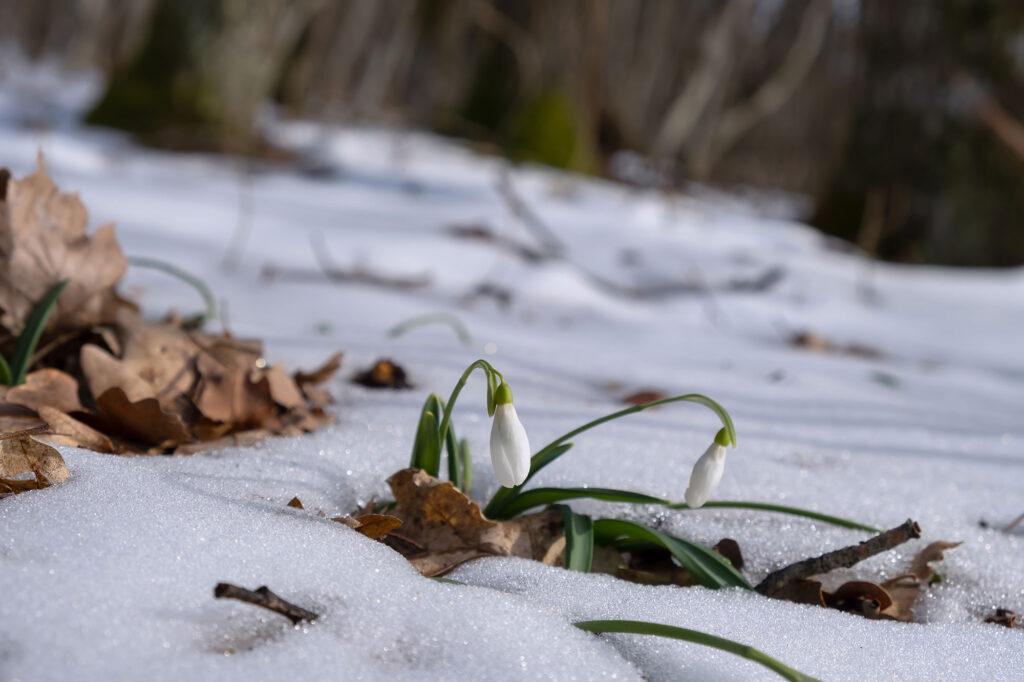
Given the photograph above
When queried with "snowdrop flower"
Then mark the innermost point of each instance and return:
(510, 448)
(707, 472)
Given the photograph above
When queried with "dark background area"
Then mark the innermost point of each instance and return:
(900, 121)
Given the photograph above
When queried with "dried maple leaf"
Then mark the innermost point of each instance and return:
(442, 528)
(19, 455)
(43, 240)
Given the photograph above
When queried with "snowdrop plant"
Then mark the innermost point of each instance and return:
(514, 467)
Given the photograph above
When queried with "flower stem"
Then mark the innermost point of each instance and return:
(492, 375)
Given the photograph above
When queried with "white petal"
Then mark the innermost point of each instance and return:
(707, 472)
(510, 448)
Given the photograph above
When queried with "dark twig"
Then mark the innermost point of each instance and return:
(263, 597)
(840, 558)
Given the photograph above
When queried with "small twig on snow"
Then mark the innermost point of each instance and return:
(262, 596)
(840, 558)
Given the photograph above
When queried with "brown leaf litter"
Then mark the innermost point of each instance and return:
(21, 455)
(443, 528)
(108, 380)
(384, 373)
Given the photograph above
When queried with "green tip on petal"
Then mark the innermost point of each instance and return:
(503, 394)
(722, 438)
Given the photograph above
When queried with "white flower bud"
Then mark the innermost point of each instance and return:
(510, 448)
(707, 472)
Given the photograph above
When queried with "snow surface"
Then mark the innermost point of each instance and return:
(110, 575)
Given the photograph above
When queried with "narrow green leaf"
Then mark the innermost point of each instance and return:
(5, 371)
(199, 285)
(467, 467)
(451, 443)
(781, 509)
(579, 540)
(539, 497)
(426, 449)
(709, 567)
(495, 508)
(447, 319)
(638, 627)
(29, 338)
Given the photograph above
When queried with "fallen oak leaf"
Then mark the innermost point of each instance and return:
(283, 389)
(20, 454)
(227, 391)
(320, 374)
(144, 420)
(103, 372)
(43, 240)
(49, 387)
(443, 528)
(71, 431)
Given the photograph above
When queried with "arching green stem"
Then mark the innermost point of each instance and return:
(555, 448)
(493, 377)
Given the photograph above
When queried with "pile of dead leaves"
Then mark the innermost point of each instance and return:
(105, 378)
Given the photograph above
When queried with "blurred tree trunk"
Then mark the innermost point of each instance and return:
(922, 177)
(203, 70)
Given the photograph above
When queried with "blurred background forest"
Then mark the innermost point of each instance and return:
(900, 122)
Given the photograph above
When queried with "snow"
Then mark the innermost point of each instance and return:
(110, 576)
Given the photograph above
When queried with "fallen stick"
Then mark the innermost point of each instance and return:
(840, 558)
(263, 597)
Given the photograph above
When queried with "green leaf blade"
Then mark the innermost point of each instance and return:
(30, 335)
(637, 627)
(5, 372)
(707, 566)
(539, 497)
(426, 449)
(579, 540)
(782, 509)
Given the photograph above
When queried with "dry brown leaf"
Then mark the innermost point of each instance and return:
(283, 389)
(19, 455)
(1004, 617)
(103, 372)
(320, 374)
(72, 432)
(643, 396)
(227, 392)
(376, 526)
(49, 387)
(442, 528)
(143, 420)
(893, 599)
(295, 503)
(43, 240)
(383, 374)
